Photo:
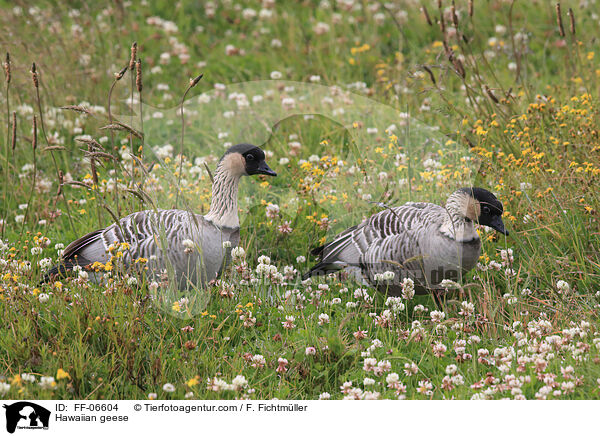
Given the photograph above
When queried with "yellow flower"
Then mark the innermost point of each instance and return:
(193, 381)
(16, 380)
(61, 373)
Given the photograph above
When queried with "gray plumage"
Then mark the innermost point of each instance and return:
(422, 241)
(176, 244)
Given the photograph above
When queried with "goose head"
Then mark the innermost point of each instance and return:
(479, 205)
(245, 160)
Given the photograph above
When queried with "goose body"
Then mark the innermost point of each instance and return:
(193, 247)
(422, 241)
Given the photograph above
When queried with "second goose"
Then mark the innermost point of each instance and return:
(422, 241)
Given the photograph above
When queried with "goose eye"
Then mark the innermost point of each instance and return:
(250, 157)
(486, 210)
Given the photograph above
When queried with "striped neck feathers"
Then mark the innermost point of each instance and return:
(462, 210)
(224, 204)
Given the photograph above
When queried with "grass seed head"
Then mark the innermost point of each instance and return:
(34, 76)
(194, 81)
(133, 56)
(559, 21)
(120, 74)
(572, 22)
(138, 75)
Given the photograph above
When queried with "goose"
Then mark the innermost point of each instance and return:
(194, 247)
(421, 241)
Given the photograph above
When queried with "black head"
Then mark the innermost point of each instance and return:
(490, 208)
(254, 159)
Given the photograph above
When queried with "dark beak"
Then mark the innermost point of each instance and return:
(498, 225)
(263, 168)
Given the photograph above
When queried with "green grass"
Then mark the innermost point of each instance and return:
(525, 113)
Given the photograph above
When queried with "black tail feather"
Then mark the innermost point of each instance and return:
(318, 251)
(63, 269)
(321, 269)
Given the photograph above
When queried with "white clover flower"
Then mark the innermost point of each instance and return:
(449, 284)
(288, 103)
(467, 309)
(188, 244)
(239, 382)
(29, 378)
(392, 377)
(36, 251)
(321, 28)
(300, 259)
(323, 319)
(238, 253)
(563, 286)
(276, 75)
(168, 387)
(47, 382)
(369, 381)
(4, 388)
(43, 298)
(323, 396)
(437, 316)
(226, 244)
(451, 369)
(45, 263)
(265, 260)
(408, 288)
(131, 281)
(389, 275)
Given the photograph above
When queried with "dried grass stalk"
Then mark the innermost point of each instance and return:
(121, 73)
(559, 21)
(454, 16)
(138, 75)
(81, 109)
(426, 15)
(7, 75)
(34, 76)
(133, 56)
(572, 22)
(122, 127)
(95, 144)
(431, 76)
(13, 139)
(491, 94)
(55, 148)
(34, 139)
(471, 8)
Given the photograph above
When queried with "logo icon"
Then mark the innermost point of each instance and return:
(26, 415)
